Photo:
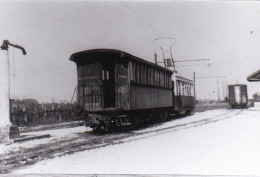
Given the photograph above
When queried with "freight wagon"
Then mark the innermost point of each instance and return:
(238, 95)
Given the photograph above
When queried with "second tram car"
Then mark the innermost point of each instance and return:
(238, 95)
(118, 89)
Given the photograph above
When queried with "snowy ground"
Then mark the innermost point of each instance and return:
(57, 134)
(227, 147)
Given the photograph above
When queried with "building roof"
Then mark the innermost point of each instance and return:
(254, 77)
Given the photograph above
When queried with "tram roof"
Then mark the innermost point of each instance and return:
(254, 77)
(232, 85)
(74, 56)
(183, 79)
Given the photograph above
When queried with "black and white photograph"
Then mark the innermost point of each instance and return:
(129, 88)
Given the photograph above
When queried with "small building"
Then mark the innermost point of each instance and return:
(254, 77)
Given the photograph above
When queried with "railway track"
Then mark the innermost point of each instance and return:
(87, 141)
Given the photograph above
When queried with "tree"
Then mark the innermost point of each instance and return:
(256, 96)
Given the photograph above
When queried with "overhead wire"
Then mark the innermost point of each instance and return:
(142, 19)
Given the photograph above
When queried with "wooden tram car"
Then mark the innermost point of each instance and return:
(117, 89)
(238, 95)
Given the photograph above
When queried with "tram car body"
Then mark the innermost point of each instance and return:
(118, 89)
(238, 95)
(183, 95)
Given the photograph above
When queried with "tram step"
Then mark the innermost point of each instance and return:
(122, 116)
(126, 124)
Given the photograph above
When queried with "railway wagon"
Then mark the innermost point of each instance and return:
(117, 89)
(184, 96)
(238, 95)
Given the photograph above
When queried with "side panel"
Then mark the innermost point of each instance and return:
(91, 88)
(231, 94)
(184, 103)
(122, 87)
(144, 97)
(244, 97)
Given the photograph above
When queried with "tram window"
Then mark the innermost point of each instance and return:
(107, 75)
(131, 71)
(164, 79)
(179, 88)
(137, 73)
(157, 78)
(182, 86)
(134, 74)
(142, 74)
(184, 89)
(169, 81)
(152, 76)
(103, 75)
(149, 76)
(161, 80)
(145, 75)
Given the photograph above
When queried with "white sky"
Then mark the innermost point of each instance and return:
(227, 33)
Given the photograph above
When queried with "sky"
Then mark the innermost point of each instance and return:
(227, 33)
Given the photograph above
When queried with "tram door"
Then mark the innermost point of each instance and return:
(108, 77)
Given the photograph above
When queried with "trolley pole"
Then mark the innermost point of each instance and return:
(7, 130)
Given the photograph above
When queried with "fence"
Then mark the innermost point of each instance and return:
(24, 118)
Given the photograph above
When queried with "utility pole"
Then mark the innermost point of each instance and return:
(218, 90)
(194, 86)
(7, 130)
(223, 87)
(215, 77)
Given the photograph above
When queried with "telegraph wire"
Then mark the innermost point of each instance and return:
(141, 18)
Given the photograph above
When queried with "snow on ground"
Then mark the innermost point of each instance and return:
(55, 135)
(63, 133)
(196, 117)
(256, 107)
(227, 147)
